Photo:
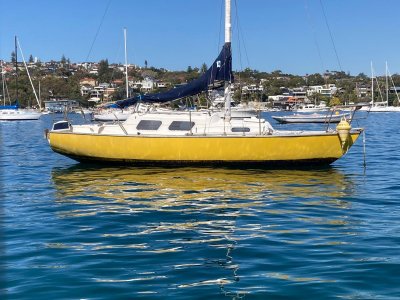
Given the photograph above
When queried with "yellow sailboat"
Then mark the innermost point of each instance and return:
(181, 138)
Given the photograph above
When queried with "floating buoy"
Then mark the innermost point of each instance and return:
(343, 129)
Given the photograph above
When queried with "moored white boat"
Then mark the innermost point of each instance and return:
(382, 106)
(19, 114)
(14, 112)
(309, 108)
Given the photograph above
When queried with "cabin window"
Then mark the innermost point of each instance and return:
(240, 129)
(61, 125)
(181, 125)
(148, 125)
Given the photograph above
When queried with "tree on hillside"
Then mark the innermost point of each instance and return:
(203, 68)
(63, 59)
(30, 58)
(315, 79)
(276, 73)
(13, 57)
(104, 71)
(362, 76)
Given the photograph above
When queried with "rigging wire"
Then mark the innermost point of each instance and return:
(209, 99)
(116, 59)
(241, 41)
(239, 48)
(27, 71)
(311, 23)
(220, 25)
(240, 33)
(377, 83)
(394, 86)
(98, 29)
(330, 34)
(5, 86)
(8, 94)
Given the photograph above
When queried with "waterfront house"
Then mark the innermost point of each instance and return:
(325, 90)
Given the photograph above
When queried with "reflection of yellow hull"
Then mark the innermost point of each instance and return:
(165, 188)
(321, 148)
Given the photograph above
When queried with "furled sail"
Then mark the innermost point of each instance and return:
(215, 77)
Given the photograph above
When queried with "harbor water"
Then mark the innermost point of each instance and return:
(76, 231)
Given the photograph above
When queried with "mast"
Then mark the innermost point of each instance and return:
(228, 25)
(394, 86)
(372, 85)
(3, 83)
(387, 86)
(228, 39)
(29, 76)
(40, 98)
(126, 66)
(16, 68)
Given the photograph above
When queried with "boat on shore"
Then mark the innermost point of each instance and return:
(199, 138)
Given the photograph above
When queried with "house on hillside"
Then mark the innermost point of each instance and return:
(86, 89)
(147, 84)
(325, 90)
(88, 81)
(362, 90)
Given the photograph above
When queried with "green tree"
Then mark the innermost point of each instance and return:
(13, 57)
(203, 68)
(315, 79)
(276, 73)
(63, 59)
(335, 101)
(104, 71)
(30, 58)
(362, 76)
(189, 69)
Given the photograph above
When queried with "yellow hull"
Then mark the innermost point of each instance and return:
(322, 149)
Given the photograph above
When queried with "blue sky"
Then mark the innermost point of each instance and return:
(289, 35)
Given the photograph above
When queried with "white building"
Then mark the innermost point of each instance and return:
(147, 84)
(162, 85)
(325, 90)
(85, 90)
(252, 88)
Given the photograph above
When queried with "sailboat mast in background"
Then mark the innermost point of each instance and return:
(16, 68)
(126, 66)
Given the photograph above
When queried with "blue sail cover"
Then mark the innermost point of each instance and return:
(215, 77)
(14, 106)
